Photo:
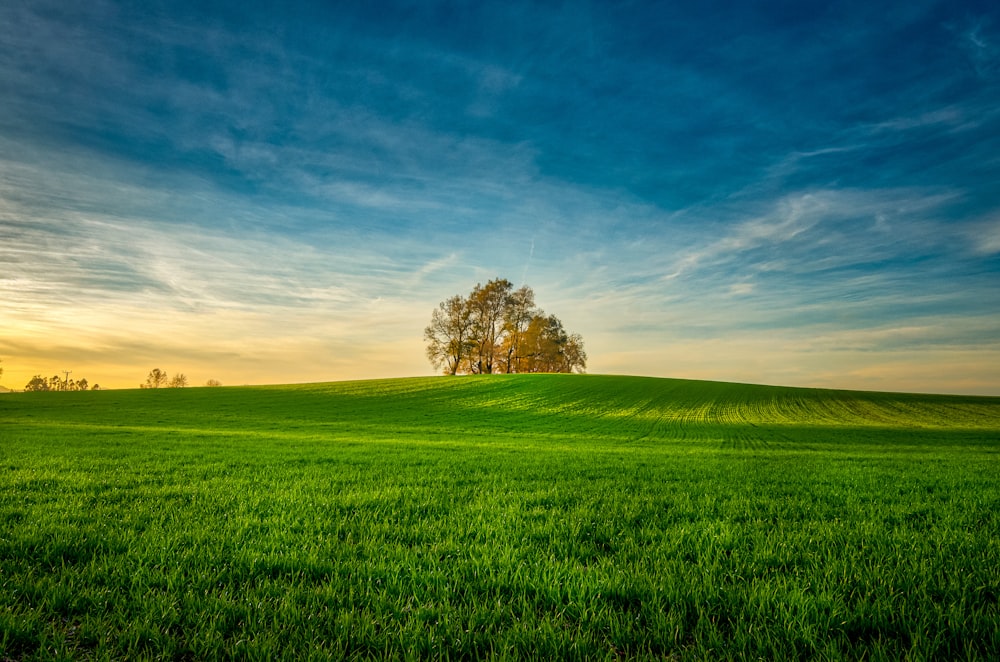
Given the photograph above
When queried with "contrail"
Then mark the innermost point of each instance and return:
(531, 254)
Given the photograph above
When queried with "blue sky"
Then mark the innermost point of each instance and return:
(775, 192)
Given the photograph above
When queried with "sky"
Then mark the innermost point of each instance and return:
(794, 193)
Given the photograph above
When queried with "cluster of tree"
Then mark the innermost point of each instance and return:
(156, 379)
(159, 379)
(57, 383)
(499, 329)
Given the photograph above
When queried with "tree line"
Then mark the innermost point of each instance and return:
(497, 329)
(155, 379)
(159, 379)
(57, 383)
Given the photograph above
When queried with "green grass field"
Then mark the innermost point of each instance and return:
(548, 516)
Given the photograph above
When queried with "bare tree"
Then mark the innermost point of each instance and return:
(155, 379)
(179, 380)
(213, 382)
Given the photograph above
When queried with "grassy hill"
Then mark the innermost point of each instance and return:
(569, 516)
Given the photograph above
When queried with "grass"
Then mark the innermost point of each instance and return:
(549, 516)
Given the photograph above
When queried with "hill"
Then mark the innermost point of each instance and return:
(547, 516)
(607, 407)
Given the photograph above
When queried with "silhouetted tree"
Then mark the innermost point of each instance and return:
(37, 383)
(57, 383)
(155, 379)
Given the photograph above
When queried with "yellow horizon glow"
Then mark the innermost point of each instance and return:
(747, 359)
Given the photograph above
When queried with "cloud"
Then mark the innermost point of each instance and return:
(985, 236)
(980, 41)
(816, 231)
(127, 285)
(309, 182)
(808, 284)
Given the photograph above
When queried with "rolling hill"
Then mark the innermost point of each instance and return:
(547, 516)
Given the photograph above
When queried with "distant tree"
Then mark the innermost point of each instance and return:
(1, 368)
(499, 329)
(213, 382)
(95, 387)
(57, 383)
(38, 383)
(179, 380)
(155, 379)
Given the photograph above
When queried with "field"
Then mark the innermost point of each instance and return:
(549, 516)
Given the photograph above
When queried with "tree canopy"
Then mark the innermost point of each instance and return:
(499, 329)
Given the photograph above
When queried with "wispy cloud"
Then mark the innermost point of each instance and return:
(980, 39)
(984, 236)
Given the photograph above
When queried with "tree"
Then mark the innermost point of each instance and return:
(487, 305)
(573, 354)
(155, 379)
(38, 383)
(499, 329)
(213, 382)
(179, 380)
(448, 335)
(548, 348)
(57, 383)
(517, 316)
